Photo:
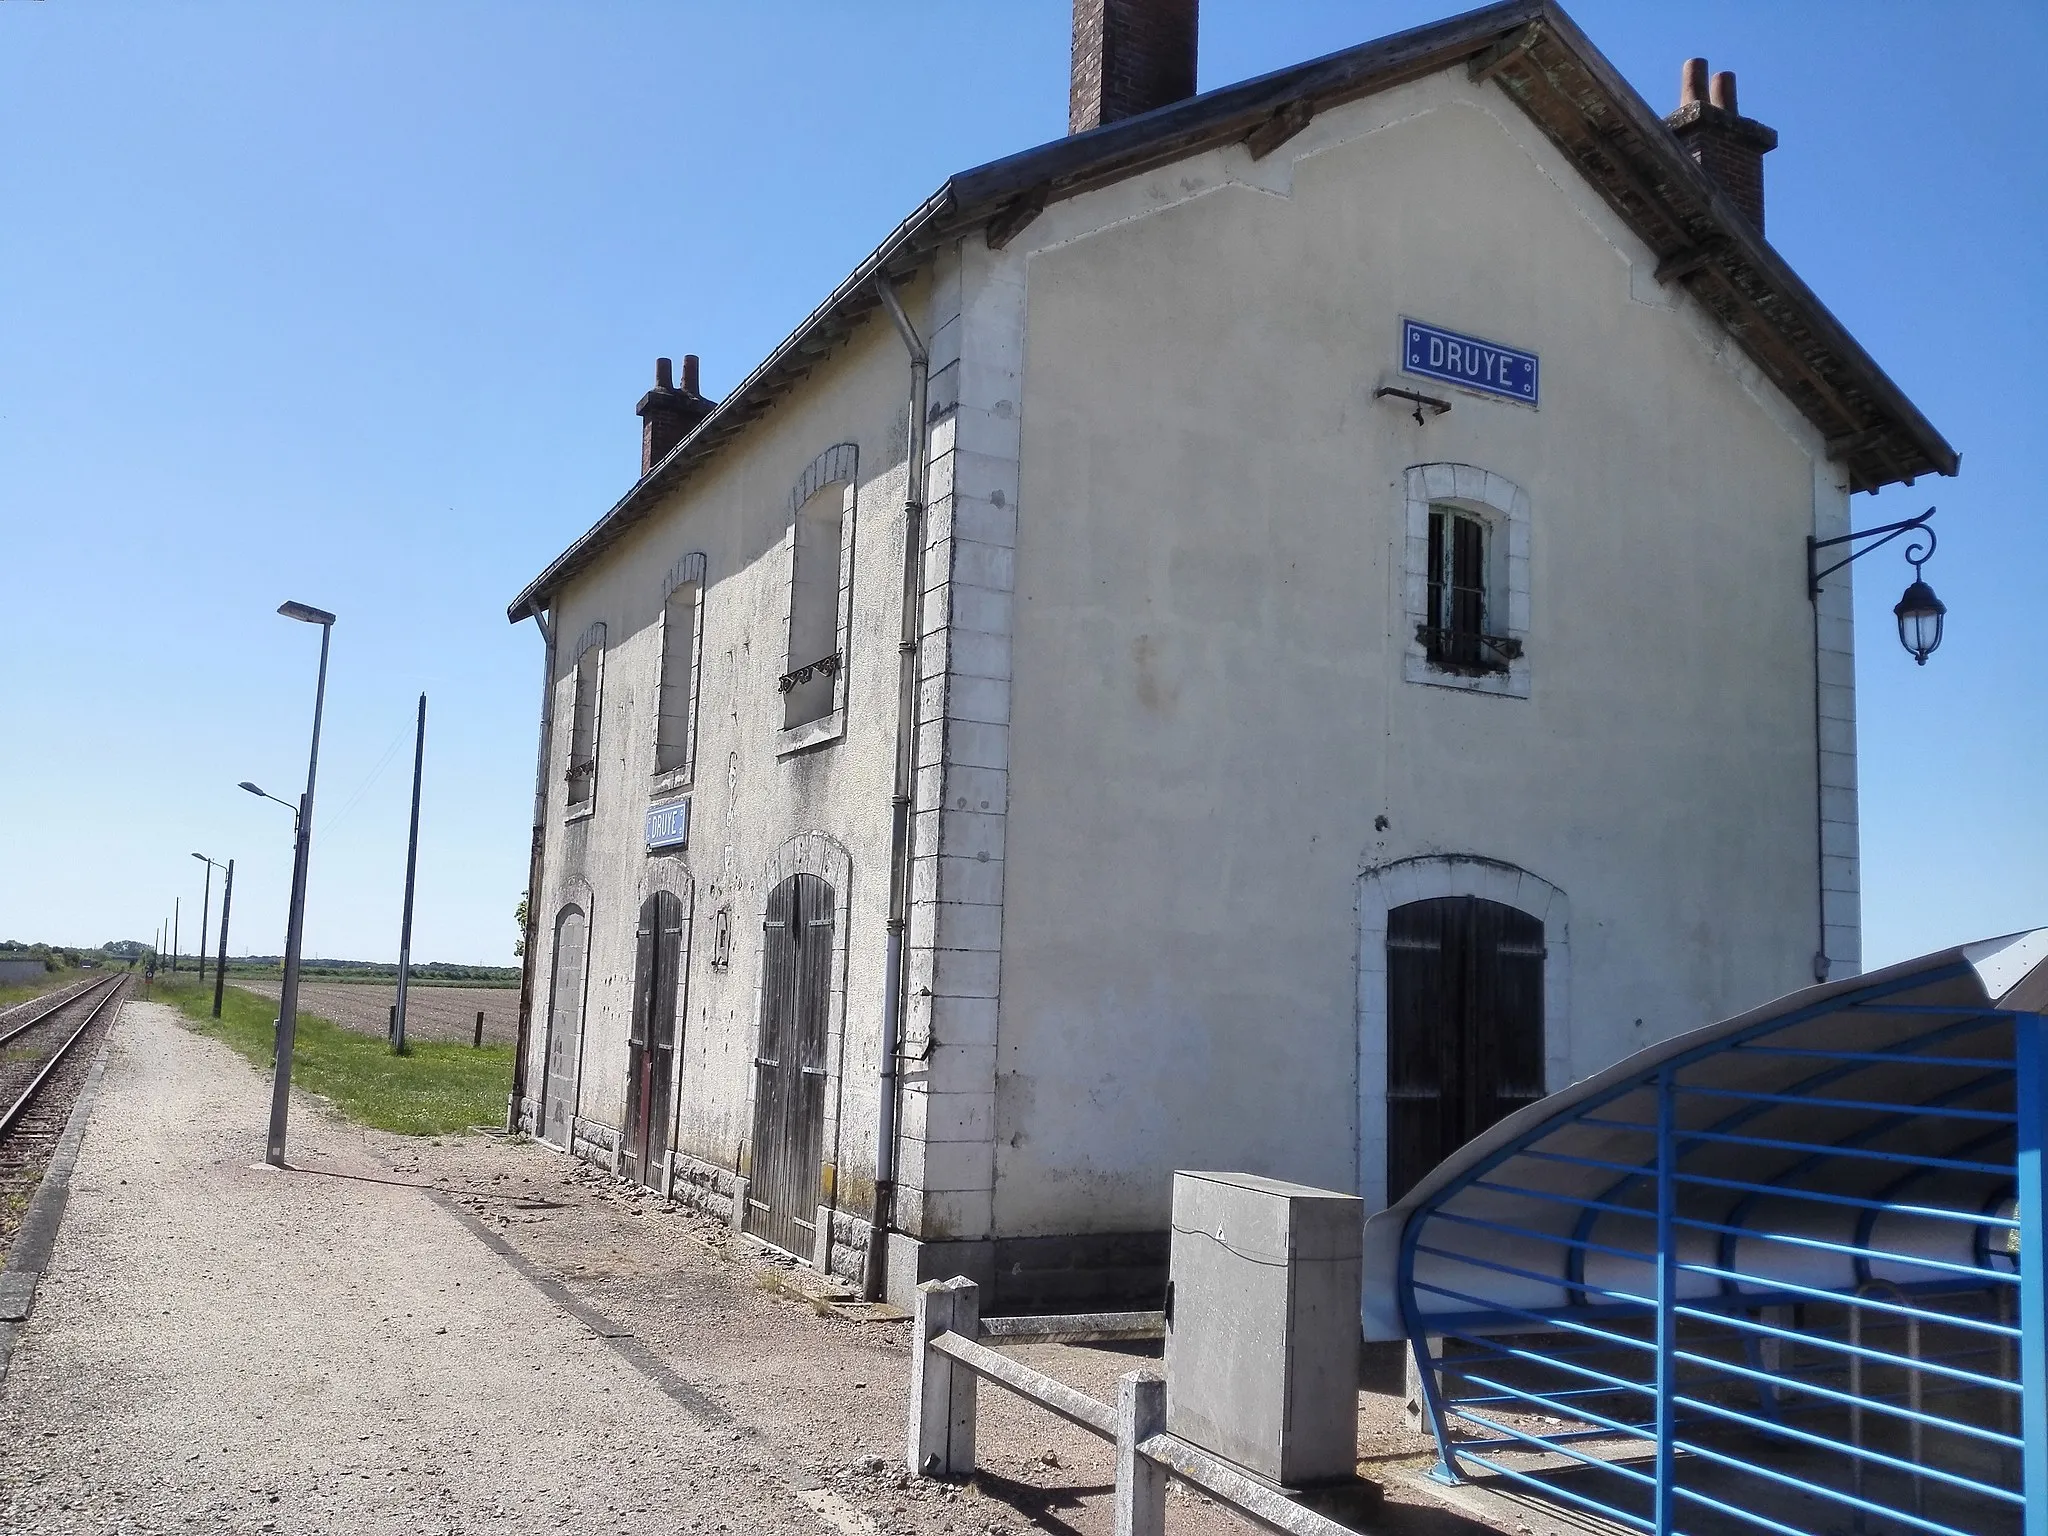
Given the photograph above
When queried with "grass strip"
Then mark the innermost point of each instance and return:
(438, 1087)
(50, 981)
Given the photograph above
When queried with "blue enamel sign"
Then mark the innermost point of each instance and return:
(668, 826)
(1482, 365)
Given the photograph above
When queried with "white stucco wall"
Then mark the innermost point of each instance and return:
(761, 805)
(1212, 736)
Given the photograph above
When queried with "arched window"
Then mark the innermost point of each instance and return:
(1466, 579)
(682, 650)
(584, 714)
(821, 539)
(565, 1027)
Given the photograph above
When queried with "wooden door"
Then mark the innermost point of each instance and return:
(1464, 1027)
(789, 1068)
(565, 1029)
(650, 1062)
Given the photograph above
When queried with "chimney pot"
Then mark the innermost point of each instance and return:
(1692, 82)
(667, 414)
(1130, 56)
(1729, 147)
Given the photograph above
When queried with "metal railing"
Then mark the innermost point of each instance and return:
(949, 1361)
(1789, 1312)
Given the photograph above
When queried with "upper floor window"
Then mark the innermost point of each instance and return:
(814, 609)
(1457, 632)
(682, 650)
(821, 536)
(588, 683)
(1465, 580)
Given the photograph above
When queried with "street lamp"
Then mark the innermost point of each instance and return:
(267, 795)
(1919, 612)
(205, 911)
(295, 924)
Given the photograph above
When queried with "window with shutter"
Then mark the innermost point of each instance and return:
(1459, 633)
(675, 725)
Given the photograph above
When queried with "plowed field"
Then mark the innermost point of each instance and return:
(431, 1013)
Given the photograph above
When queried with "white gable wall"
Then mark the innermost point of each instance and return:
(1209, 711)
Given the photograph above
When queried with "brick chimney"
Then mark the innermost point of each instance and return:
(1727, 146)
(1129, 57)
(666, 413)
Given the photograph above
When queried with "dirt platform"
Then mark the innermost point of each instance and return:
(473, 1335)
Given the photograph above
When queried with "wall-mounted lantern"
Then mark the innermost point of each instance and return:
(1919, 611)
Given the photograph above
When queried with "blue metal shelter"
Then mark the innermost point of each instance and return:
(1780, 1274)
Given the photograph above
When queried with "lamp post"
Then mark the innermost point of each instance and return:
(220, 965)
(412, 853)
(205, 911)
(295, 923)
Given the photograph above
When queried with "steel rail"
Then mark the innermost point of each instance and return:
(20, 1106)
(57, 1004)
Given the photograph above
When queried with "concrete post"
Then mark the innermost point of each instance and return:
(1140, 1482)
(821, 1242)
(739, 1204)
(942, 1393)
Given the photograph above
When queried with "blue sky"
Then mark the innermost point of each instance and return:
(351, 304)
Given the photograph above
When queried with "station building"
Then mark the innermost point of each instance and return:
(1264, 634)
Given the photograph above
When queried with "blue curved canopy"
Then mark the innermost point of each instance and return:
(1808, 1091)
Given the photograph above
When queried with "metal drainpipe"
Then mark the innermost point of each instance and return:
(915, 471)
(533, 868)
(1822, 964)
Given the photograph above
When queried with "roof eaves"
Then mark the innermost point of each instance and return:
(1746, 280)
(1130, 145)
(1635, 163)
(853, 297)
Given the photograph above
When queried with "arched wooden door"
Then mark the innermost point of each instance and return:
(650, 1059)
(565, 1028)
(789, 1068)
(1464, 1027)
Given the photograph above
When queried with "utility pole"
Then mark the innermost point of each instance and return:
(205, 915)
(412, 854)
(295, 921)
(174, 931)
(220, 967)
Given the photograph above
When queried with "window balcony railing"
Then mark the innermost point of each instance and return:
(1466, 650)
(824, 666)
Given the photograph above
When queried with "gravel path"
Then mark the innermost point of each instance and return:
(217, 1346)
(431, 1013)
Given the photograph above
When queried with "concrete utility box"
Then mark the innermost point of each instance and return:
(1262, 1332)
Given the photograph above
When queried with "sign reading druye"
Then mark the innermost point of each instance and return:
(1486, 366)
(668, 826)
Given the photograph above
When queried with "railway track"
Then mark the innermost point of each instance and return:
(44, 1058)
(36, 1007)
